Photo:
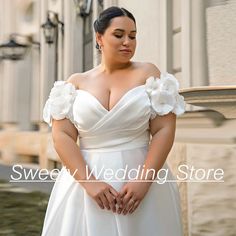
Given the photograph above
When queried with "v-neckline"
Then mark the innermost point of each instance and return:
(119, 101)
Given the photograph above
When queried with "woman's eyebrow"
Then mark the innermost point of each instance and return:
(132, 31)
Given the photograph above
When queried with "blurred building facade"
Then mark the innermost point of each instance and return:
(193, 39)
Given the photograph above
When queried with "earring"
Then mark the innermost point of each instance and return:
(99, 47)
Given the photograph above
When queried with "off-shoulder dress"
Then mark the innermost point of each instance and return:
(115, 139)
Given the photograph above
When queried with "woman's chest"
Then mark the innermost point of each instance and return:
(132, 108)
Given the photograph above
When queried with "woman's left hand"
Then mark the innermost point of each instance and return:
(131, 194)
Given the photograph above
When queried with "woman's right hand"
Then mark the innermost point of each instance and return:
(104, 194)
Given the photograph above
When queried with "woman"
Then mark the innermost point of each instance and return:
(114, 109)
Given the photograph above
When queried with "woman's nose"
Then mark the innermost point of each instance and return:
(126, 40)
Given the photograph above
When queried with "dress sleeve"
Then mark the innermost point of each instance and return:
(60, 102)
(164, 96)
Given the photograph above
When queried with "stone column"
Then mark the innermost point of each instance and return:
(1, 65)
(9, 111)
(47, 61)
(199, 72)
(166, 36)
(73, 40)
(23, 80)
(221, 28)
(96, 54)
(186, 44)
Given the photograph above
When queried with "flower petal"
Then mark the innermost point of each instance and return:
(164, 96)
(59, 104)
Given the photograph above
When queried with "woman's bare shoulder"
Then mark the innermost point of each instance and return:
(151, 70)
(148, 69)
(77, 78)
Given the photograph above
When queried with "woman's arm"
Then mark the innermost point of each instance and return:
(162, 129)
(65, 136)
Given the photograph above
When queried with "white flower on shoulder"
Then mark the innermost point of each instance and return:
(180, 105)
(151, 84)
(169, 83)
(61, 88)
(59, 102)
(164, 96)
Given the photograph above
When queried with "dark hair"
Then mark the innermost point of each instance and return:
(103, 21)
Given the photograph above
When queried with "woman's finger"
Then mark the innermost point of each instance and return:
(129, 205)
(126, 199)
(99, 202)
(119, 202)
(104, 201)
(114, 192)
(123, 192)
(135, 206)
(111, 200)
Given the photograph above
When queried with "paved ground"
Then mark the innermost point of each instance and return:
(23, 204)
(22, 210)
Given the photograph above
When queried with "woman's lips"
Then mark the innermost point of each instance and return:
(126, 51)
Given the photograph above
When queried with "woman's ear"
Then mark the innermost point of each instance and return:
(99, 38)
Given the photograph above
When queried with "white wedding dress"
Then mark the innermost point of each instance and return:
(113, 139)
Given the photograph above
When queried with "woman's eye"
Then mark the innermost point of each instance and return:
(120, 36)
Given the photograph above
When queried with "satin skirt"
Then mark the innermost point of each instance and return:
(72, 212)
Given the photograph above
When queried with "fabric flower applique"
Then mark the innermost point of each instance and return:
(164, 95)
(59, 103)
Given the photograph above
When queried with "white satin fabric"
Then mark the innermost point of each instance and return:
(113, 139)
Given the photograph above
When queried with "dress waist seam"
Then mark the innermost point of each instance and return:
(115, 149)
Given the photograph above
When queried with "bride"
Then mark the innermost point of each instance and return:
(124, 114)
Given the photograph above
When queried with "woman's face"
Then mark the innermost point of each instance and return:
(119, 40)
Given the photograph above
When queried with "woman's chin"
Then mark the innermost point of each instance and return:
(124, 59)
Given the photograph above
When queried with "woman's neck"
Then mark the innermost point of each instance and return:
(109, 68)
